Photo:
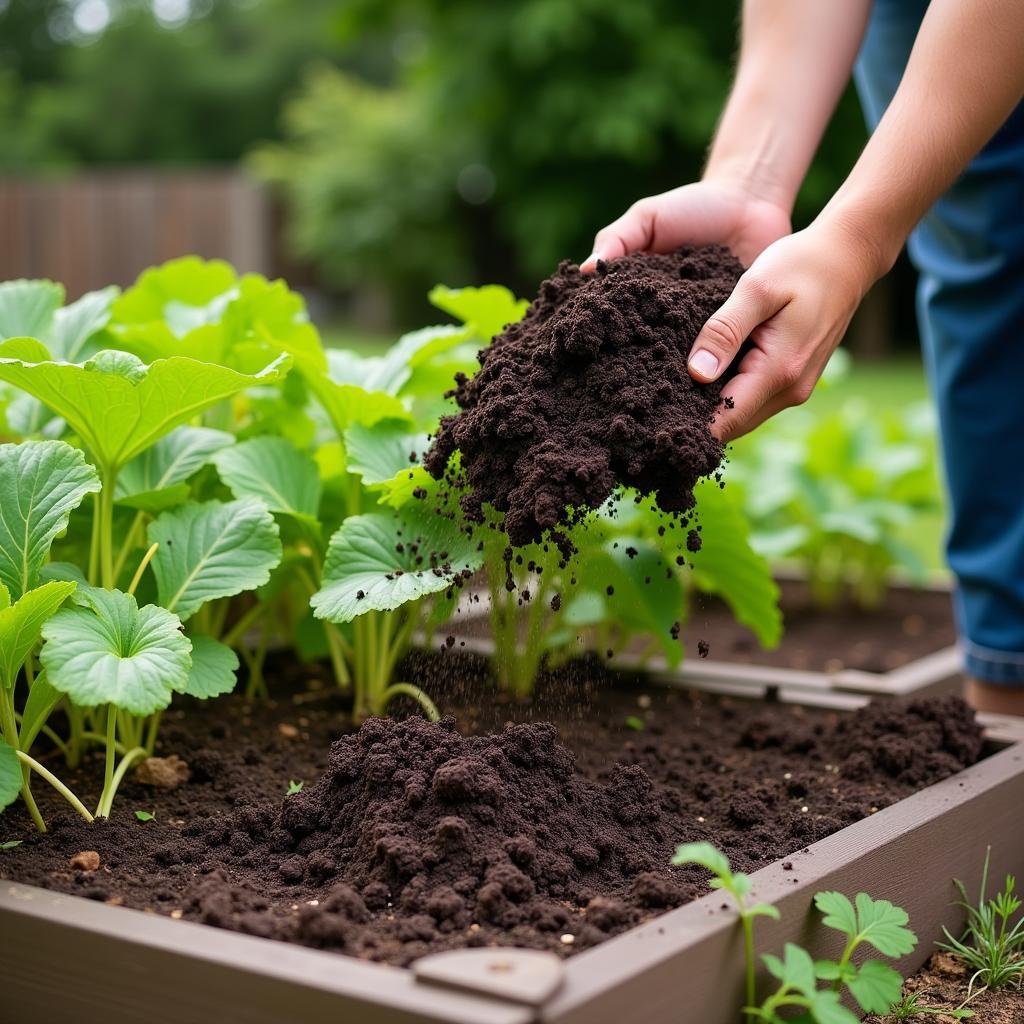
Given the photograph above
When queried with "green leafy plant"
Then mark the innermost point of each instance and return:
(294, 787)
(877, 923)
(838, 494)
(992, 944)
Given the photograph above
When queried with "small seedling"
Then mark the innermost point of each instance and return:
(910, 1006)
(991, 945)
(294, 787)
(635, 722)
(145, 815)
(874, 985)
(10, 844)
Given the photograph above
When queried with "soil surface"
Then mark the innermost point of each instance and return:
(590, 390)
(908, 625)
(943, 983)
(490, 828)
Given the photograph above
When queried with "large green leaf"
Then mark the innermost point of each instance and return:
(156, 479)
(27, 308)
(21, 625)
(212, 550)
(111, 651)
(364, 570)
(171, 289)
(379, 453)
(76, 325)
(728, 566)
(275, 471)
(487, 310)
(213, 668)
(118, 405)
(41, 483)
(10, 775)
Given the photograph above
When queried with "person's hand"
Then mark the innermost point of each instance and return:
(794, 304)
(703, 213)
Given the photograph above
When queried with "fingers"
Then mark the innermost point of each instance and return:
(758, 392)
(750, 305)
(632, 232)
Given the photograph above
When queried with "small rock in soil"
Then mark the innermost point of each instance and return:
(85, 860)
(162, 772)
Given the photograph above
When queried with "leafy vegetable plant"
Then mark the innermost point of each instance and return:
(838, 494)
(873, 984)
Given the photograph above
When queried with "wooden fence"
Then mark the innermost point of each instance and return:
(96, 228)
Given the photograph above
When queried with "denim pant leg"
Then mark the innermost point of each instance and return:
(969, 251)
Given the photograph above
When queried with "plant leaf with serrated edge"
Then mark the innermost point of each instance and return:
(212, 550)
(275, 471)
(156, 479)
(10, 775)
(111, 651)
(27, 308)
(838, 911)
(362, 554)
(21, 625)
(213, 668)
(119, 408)
(41, 484)
(487, 310)
(883, 925)
(876, 986)
(380, 453)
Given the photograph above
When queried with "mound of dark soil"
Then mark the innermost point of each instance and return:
(590, 390)
(416, 838)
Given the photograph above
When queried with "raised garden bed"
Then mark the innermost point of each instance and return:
(677, 965)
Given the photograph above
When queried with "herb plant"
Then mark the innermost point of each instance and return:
(992, 944)
(873, 984)
(910, 1006)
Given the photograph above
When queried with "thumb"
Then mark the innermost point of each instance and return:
(632, 232)
(751, 303)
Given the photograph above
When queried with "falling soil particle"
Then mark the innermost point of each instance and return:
(590, 390)
(163, 772)
(703, 648)
(416, 838)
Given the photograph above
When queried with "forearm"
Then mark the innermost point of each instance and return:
(795, 61)
(964, 78)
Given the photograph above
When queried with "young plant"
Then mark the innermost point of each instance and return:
(874, 985)
(992, 944)
(910, 1006)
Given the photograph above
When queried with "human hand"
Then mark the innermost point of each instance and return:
(703, 213)
(794, 304)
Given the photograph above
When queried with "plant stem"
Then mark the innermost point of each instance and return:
(107, 578)
(748, 953)
(56, 783)
(397, 689)
(146, 559)
(107, 799)
(98, 737)
(108, 768)
(129, 542)
(151, 729)
(94, 542)
(238, 630)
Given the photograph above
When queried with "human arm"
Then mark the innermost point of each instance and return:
(964, 77)
(795, 59)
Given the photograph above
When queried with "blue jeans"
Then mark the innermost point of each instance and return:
(969, 251)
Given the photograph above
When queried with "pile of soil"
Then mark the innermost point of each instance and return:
(590, 390)
(417, 838)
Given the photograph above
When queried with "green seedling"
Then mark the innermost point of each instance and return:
(145, 815)
(10, 844)
(910, 1007)
(294, 787)
(992, 944)
(874, 985)
(635, 723)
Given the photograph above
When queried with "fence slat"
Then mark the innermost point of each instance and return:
(103, 227)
